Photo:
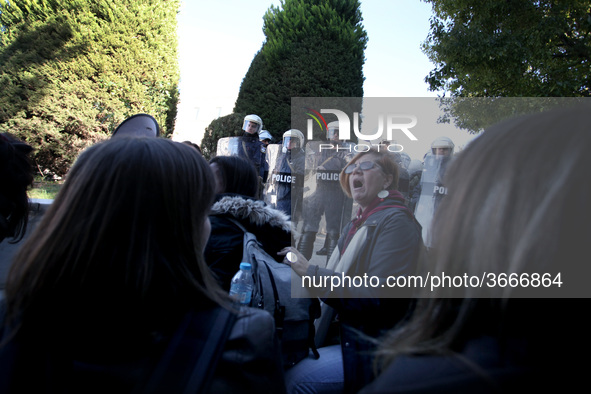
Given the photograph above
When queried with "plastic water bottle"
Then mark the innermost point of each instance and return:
(242, 285)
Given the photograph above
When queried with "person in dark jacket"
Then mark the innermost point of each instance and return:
(265, 137)
(327, 199)
(251, 147)
(16, 174)
(99, 289)
(383, 240)
(237, 199)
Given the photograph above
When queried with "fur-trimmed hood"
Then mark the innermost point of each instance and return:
(225, 247)
(256, 211)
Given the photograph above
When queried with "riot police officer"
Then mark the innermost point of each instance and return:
(442, 146)
(327, 198)
(265, 137)
(285, 187)
(251, 147)
(431, 188)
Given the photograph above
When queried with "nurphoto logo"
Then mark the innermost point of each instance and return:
(387, 125)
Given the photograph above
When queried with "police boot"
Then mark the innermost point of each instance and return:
(306, 245)
(331, 244)
(323, 251)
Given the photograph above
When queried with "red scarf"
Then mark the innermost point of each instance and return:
(372, 208)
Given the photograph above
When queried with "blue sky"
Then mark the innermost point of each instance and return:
(218, 40)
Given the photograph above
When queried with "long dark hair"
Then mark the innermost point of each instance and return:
(239, 175)
(123, 240)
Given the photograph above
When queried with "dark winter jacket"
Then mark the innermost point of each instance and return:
(390, 247)
(499, 348)
(223, 252)
(250, 361)
(388, 243)
(253, 149)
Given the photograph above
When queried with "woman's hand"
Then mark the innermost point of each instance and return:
(295, 259)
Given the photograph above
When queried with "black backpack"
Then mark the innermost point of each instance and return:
(294, 317)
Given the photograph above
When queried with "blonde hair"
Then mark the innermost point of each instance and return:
(518, 202)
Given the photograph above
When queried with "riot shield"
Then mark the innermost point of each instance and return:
(272, 185)
(326, 208)
(228, 146)
(432, 192)
(284, 186)
(254, 150)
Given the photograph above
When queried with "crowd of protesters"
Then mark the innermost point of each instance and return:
(123, 285)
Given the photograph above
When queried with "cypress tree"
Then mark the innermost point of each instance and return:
(313, 48)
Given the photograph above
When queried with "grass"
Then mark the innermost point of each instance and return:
(44, 189)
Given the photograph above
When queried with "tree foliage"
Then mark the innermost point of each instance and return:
(475, 114)
(73, 70)
(511, 48)
(313, 48)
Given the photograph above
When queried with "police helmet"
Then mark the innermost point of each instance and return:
(332, 130)
(442, 142)
(405, 159)
(291, 135)
(265, 135)
(255, 119)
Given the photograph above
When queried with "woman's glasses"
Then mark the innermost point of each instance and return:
(364, 166)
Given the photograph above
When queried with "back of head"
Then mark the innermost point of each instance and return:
(239, 176)
(516, 204)
(16, 172)
(193, 145)
(522, 198)
(125, 232)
